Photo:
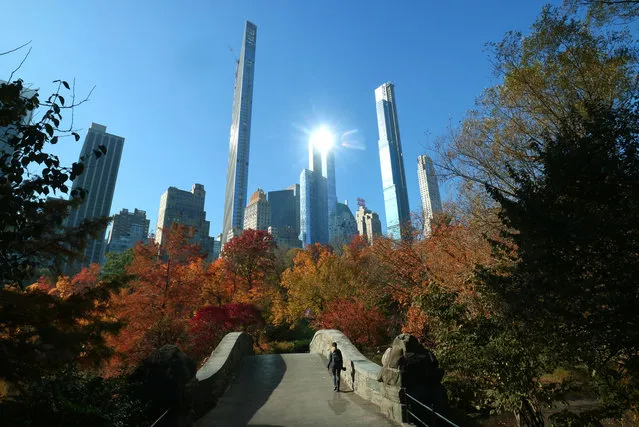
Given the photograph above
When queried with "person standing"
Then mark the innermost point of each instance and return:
(335, 365)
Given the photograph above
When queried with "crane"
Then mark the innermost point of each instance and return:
(237, 61)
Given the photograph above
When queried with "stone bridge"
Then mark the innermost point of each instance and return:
(237, 388)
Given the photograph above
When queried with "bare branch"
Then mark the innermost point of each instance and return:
(17, 48)
(21, 62)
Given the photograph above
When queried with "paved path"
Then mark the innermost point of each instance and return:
(289, 390)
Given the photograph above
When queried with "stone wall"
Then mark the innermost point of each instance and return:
(216, 374)
(361, 374)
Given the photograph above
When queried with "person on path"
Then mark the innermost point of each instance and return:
(335, 365)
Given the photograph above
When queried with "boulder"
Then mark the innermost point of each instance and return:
(410, 365)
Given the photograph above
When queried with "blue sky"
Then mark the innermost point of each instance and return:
(164, 75)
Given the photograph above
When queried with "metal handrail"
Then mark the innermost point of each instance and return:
(161, 416)
(431, 410)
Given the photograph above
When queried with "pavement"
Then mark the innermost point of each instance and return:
(279, 390)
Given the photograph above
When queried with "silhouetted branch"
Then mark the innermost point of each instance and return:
(17, 48)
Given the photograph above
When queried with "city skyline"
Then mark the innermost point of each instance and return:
(194, 71)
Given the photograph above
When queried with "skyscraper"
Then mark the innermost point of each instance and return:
(314, 198)
(428, 190)
(343, 226)
(239, 147)
(128, 228)
(392, 163)
(186, 208)
(368, 224)
(257, 214)
(285, 215)
(98, 179)
(313, 208)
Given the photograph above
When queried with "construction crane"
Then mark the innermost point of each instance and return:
(237, 61)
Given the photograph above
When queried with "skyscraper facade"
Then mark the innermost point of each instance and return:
(368, 224)
(239, 146)
(98, 179)
(392, 163)
(127, 229)
(428, 190)
(257, 214)
(343, 227)
(186, 208)
(313, 208)
(314, 198)
(285, 215)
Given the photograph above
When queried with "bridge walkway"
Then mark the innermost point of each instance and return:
(293, 390)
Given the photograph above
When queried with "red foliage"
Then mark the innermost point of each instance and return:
(364, 326)
(161, 299)
(248, 262)
(210, 324)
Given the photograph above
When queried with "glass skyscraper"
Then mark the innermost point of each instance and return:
(392, 163)
(428, 190)
(314, 198)
(98, 180)
(239, 147)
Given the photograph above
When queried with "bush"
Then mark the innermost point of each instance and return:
(70, 398)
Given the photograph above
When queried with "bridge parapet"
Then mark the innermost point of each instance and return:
(217, 372)
(361, 374)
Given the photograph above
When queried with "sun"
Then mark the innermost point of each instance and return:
(322, 139)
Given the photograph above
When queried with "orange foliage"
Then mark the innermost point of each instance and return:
(364, 326)
(65, 286)
(164, 295)
(247, 269)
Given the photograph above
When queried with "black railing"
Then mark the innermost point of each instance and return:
(436, 419)
(161, 416)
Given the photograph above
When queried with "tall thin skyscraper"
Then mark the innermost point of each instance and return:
(239, 147)
(392, 163)
(99, 177)
(428, 190)
(314, 199)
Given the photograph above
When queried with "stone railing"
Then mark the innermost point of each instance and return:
(361, 374)
(216, 374)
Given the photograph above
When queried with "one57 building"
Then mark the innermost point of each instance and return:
(392, 163)
(240, 140)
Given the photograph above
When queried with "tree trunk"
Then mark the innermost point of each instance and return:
(529, 415)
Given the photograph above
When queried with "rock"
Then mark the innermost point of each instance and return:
(410, 365)
(386, 356)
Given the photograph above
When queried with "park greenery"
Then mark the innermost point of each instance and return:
(526, 288)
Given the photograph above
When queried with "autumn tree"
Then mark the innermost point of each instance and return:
(365, 326)
(211, 323)
(41, 334)
(249, 264)
(561, 66)
(164, 294)
(317, 277)
(572, 287)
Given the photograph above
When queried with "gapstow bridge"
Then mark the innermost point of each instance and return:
(237, 388)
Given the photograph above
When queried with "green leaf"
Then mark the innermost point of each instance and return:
(65, 84)
(49, 129)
